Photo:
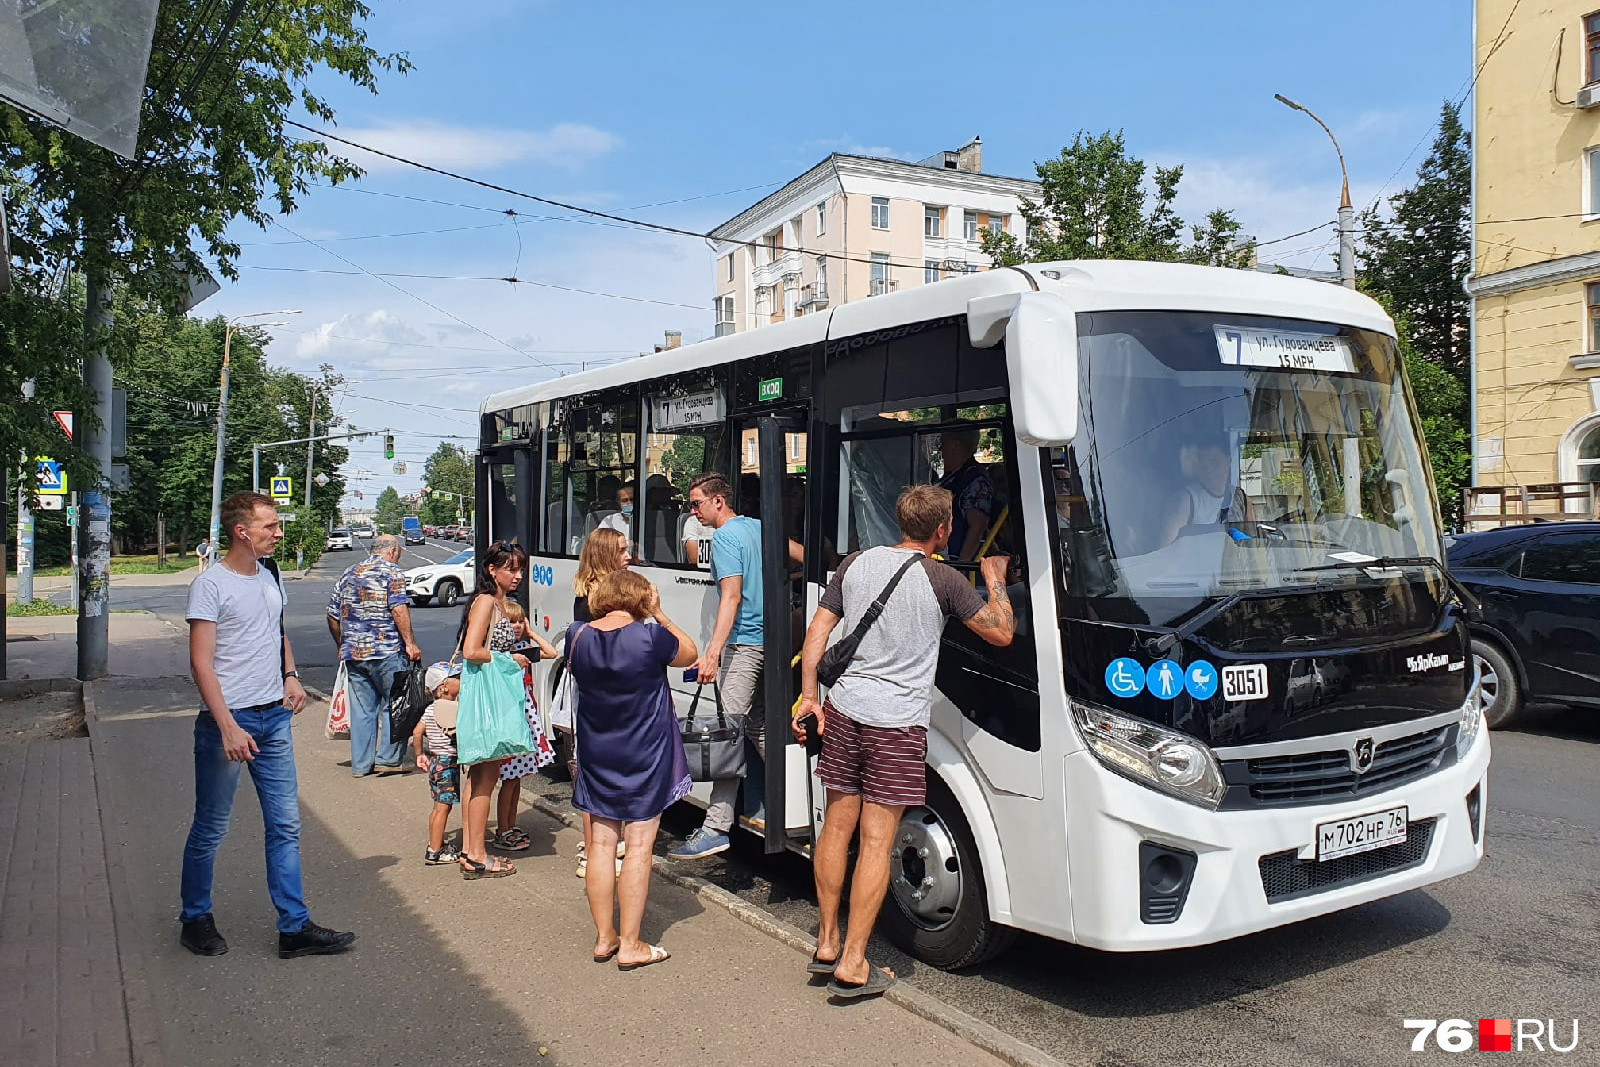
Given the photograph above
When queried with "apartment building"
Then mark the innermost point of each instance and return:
(1535, 281)
(857, 226)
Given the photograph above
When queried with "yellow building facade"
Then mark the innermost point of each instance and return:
(1535, 280)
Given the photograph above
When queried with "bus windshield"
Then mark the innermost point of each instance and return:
(1225, 454)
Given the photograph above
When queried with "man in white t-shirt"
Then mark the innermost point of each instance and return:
(874, 725)
(244, 668)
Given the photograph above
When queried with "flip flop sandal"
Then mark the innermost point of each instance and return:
(609, 956)
(657, 955)
(495, 868)
(510, 842)
(878, 981)
(821, 966)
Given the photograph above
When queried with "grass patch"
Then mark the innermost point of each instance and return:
(38, 609)
(124, 565)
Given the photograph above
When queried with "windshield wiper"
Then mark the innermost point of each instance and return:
(1469, 602)
(1161, 644)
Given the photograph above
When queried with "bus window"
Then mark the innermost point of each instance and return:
(503, 503)
(671, 536)
(591, 452)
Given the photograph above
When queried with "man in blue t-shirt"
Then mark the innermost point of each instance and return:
(735, 649)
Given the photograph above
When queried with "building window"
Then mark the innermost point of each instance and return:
(1592, 290)
(763, 300)
(880, 213)
(1591, 44)
(796, 446)
(930, 270)
(969, 225)
(822, 278)
(729, 258)
(774, 241)
(880, 273)
(750, 451)
(997, 224)
(723, 306)
(1591, 185)
(930, 221)
(822, 218)
(1589, 456)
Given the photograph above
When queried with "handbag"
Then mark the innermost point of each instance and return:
(564, 705)
(490, 721)
(445, 713)
(837, 659)
(408, 699)
(338, 727)
(714, 752)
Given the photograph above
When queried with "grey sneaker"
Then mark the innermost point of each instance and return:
(703, 843)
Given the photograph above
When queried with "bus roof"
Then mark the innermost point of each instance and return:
(1089, 285)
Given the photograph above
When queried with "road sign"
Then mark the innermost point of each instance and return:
(282, 488)
(52, 503)
(52, 479)
(65, 419)
(285, 516)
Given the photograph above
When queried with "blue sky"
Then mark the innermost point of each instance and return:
(660, 111)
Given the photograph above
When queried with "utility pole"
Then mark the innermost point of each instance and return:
(1347, 215)
(311, 436)
(94, 525)
(24, 524)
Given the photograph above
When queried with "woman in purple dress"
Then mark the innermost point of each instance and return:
(633, 766)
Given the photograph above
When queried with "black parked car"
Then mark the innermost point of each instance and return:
(1539, 638)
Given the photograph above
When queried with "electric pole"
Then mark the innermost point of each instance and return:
(1347, 215)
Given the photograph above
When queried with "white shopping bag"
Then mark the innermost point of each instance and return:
(339, 706)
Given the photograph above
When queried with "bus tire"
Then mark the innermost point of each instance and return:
(447, 592)
(948, 926)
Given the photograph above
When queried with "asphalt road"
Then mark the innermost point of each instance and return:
(1519, 937)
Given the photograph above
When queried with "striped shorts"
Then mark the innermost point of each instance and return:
(884, 764)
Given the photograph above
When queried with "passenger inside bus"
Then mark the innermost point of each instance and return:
(972, 487)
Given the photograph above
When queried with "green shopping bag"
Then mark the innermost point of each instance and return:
(490, 721)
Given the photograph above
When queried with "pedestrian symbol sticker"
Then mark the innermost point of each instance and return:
(1124, 677)
(1164, 679)
(1200, 680)
(282, 488)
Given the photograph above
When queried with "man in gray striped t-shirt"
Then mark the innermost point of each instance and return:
(874, 725)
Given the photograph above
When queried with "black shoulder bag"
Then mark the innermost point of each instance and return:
(715, 752)
(837, 659)
(271, 566)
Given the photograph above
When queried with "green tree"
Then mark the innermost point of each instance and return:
(1420, 256)
(449, 469)
(684, 460)
(1096, 204)
(390, 510)
(213, 147)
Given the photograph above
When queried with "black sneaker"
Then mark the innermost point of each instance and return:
(200, 937)
(313, 940)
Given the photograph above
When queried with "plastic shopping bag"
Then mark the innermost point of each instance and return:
(490, 721)
(407, 701)
(338, 728)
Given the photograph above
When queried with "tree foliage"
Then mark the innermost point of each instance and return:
(212, 148)
(389, 511)
(448, 469)
(1097, 204)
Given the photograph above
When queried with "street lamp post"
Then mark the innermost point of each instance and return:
(233, 324)
(1347, 215)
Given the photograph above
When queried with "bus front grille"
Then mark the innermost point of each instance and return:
(1284, 876)
(1319, 777)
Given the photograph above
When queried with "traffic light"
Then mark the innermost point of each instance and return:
(388, 446)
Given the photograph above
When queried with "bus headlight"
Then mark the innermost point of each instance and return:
(1152, 755)
(1471, 718)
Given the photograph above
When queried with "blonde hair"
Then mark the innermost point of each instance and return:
(601, 555)
(514, 612)
(621, 591)
(921, 510)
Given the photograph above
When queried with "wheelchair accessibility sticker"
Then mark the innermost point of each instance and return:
(1125, 677)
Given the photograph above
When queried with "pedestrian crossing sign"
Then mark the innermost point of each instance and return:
(52, 479)
(282, 488)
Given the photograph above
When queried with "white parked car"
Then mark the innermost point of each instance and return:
(444, 582)
(339, 538)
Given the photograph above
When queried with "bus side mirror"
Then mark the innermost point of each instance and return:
(1041, 336)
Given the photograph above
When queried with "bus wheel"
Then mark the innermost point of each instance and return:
(940, 913)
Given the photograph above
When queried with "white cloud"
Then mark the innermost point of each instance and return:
(566, 145)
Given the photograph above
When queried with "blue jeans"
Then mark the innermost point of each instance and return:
(216, 780)
(370, 683)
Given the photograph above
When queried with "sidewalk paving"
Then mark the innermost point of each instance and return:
(489, 972)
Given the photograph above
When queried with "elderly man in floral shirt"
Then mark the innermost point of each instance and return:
(369, 616)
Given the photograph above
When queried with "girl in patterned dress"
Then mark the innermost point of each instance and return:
(512, 631)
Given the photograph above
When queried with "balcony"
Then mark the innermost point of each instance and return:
(773, 273)
(814, 297)
(884, 285)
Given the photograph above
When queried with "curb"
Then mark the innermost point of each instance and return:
(144, 1028)
(968, 1028)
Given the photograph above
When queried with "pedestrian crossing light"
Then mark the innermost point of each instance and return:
(388, 446)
